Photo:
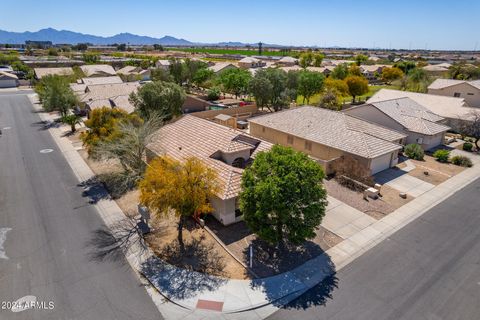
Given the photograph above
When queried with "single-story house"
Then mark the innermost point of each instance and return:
(328, 135)
(136, 73)
(109, 95)
(8, 80)
(162, 64)
(251, 62)
(98, 70)
(450, 108)
(61, 71)
(370, 72)
(469, 90)
(437, 69)
(219, 67)
(405, 115)
(287, 61)
(223, 149)
(101, 80)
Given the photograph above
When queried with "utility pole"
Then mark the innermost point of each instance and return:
(260, 48)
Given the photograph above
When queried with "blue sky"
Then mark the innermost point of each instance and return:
(406, 24)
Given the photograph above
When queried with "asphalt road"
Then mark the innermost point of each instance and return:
(428, 270)
(45, 224)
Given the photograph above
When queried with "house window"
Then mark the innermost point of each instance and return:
(289, 139)
(456, 94)
(470, 94)
(308, 145)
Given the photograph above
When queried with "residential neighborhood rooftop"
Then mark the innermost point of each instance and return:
(447, 107)
(445, 83)
(62, 71)
(98, 69)
(411, 115)
(334, 129)
(102, 80)
(182, 139)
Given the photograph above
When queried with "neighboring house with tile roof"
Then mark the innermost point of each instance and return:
(109, 95)
(251, 62)
(287, 61)
(219, 67)
(221, 148)
(405, 115)
(98, 70)
(328, 135)
(469, 90)
(61, 71)
(101, 80)
(450, 108)
(135, 73)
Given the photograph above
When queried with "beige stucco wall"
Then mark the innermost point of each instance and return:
(428, 142)
(472, 99)
(224, 210)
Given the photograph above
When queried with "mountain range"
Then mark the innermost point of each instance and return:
(70, 37)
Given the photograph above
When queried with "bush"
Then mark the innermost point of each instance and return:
(467, 146)
(442, 155)
(462, 161)
(414, 151)
(213, 94)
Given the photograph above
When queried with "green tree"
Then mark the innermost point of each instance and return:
(164, 99)
(201, 76)
(192, 67)
(269, 87)
(292, 84)
(235, 81)
(159, 74)
(317, 59)
(283, 197)
(310, 83)
(340, 71)
(360, 59)
(178, 71)
(419, 80)
(405, 66)
(55, 94)
(91, 57)
(391, 74)
(354, 70)
(338, 86)
(305, 60)
(122, 47)
(72, 120)
(261, 89)
(330, 100)
(357, 86)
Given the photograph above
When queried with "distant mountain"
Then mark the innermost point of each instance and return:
(70, 37)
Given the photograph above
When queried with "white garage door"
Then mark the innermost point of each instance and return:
(435, 141)
(381, 163)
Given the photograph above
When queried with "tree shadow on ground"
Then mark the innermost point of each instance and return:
(94, 190)
(315, 296)
(109, 186)
(270, 260)
(228, 234)
(291, 289)
(177, 276)
(111, 244)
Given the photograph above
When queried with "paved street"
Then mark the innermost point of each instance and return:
(45, 224)
(428, 270)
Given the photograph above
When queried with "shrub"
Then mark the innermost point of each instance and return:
(213, 94)
(462, 161)
(414, 151)
(467, 146)
(442, 155)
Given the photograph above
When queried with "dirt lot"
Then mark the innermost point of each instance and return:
(379, 208)
(268, 260)
(438, 172)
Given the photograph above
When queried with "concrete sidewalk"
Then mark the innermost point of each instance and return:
(256, 299)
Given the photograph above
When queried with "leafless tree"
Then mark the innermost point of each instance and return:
(470, 127)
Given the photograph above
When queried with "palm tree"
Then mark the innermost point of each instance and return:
(72, 120)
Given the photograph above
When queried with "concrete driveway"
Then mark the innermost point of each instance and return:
(401, 181)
